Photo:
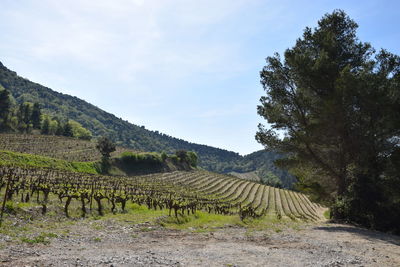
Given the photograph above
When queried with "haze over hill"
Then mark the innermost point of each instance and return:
(124, 133)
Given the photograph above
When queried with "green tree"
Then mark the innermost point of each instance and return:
(164, 156)
(271, 179)
(105, 147)
(80, 132)
(36, 116)
(67, 130)
(53, 127)
(182, 155)
(24, 113)
(59, 130)
(45, 128)
(5, 107)
(332, 105)
(192, 157)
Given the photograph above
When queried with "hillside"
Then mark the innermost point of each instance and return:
(71, 154)
(262, 164)
(73, 149)
(124, 133)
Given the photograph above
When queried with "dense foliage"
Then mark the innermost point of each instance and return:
(27, 117)
(105, 146)
(263, 162)
(23, 118)
(148, 162)
(337, 103)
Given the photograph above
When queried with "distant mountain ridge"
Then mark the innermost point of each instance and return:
(124, 133)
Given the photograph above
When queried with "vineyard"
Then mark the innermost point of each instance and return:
(58, 147)
(180, 192)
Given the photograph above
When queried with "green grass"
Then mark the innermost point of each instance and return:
(42, 238)
(201, 221)
(206, 222)
(30, 232)
(28, 160)
(13, 207)
(134, 214)
(327, 214)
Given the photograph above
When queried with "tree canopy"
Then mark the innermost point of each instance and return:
(5, 106)
(105, 146)
(26, 117)
(333, 104)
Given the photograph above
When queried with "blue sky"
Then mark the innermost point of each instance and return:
(186, 68)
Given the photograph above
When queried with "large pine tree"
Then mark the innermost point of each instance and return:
(333, 106)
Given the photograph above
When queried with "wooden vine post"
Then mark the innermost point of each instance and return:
(5, 199)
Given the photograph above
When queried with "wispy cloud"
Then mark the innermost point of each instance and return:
(133, 37)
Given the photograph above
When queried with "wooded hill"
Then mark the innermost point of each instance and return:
(124, 133)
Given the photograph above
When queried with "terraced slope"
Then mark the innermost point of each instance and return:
(266, 200)
(58, 147)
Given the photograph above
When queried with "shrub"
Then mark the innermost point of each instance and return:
(192, 156)
(164, 156)
(131, 158)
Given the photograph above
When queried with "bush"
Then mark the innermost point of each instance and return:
(188, 157)
(105, 146)
(164, 156)
(139, 162)
(174, 158)
(10, 208)
(132, 158)
(128, 157)
(192, 156)
(182, 155)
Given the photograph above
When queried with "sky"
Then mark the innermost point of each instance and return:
(187, 68)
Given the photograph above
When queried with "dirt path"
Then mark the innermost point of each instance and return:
(146, 245)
